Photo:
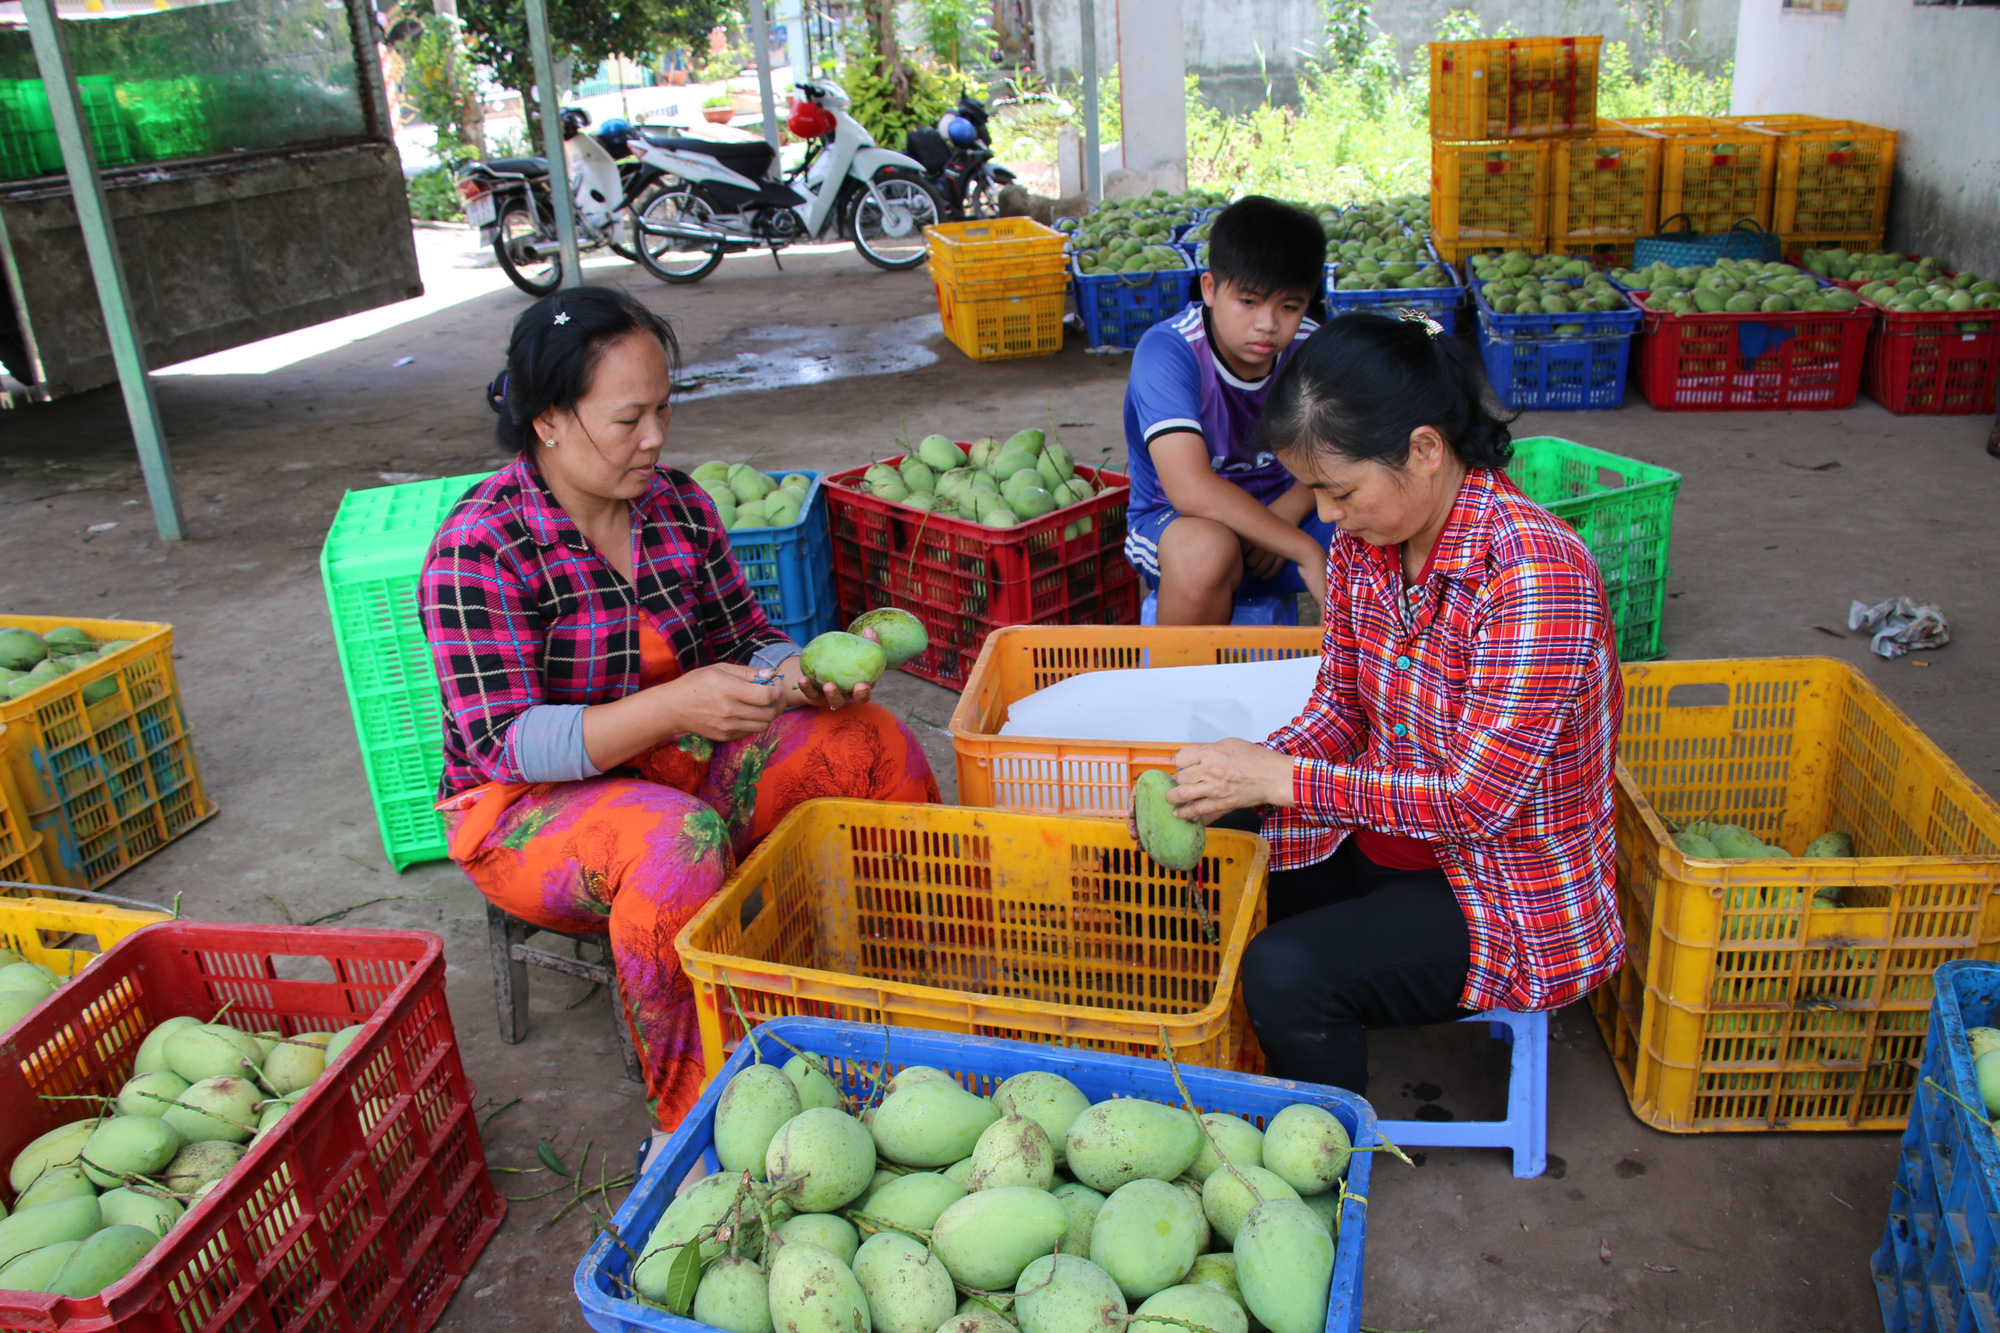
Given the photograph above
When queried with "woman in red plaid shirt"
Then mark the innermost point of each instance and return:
(621, 722)
(1440, 814)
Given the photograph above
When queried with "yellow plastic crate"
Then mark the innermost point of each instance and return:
(993, 249)
(1742, 1006)
(1604, 192)
(1514, 87)
(1833, 175)
(1001, 320)
(55, 931)
(981, 922)
(1492, 193)
(1457, 252)
(19, 843)
(105, 784)
(1076, 777)
(1712, 171)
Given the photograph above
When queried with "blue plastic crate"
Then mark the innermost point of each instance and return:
(1440, 303)
(1533, 367)
(1118, 308)
(982, 1063)
(790, 569)
(1955, 1221)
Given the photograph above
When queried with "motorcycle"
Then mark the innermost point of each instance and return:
(958, 157)
(721, 198)
(508, 199)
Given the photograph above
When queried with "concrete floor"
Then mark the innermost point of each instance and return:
(1783, 518)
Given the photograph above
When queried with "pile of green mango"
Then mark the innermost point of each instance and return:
(23, 985)
(846, 658)
(921, 1207)
(1523, 264)
(997, 484)
(1136, 235)
(93, 1197)
(1733, 286)
(1899, 283)
(28, 661)
(747, 498)
(1553, 295)
(1732, 842)
(1370, 274)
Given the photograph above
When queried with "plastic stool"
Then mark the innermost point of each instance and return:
(1275, 609)
(1526, 1128)
(512, 957)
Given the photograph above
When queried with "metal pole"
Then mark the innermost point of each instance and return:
(1093, 170)
(107, 267)
(552, 140)
(760, 37)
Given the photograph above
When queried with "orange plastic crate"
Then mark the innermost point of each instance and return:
(1514, 87)
(1604, 193)
(993, 249)
(1082, 777)
(1742, 1005)
(1833, 175)
(19, 843)
(1712, 171)
(982, 922)
(106, 784)
(1492, 193)
(1000, 319)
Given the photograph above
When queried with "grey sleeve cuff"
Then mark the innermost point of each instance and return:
(772, 654)
(548, 744)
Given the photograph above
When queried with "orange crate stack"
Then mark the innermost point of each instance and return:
(1833, 181)
(1514, 87)
(1604, 193)
(1712, 171)
(1493, 193)
(1001, 286)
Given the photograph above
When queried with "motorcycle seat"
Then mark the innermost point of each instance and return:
(519, 166)
(748, 159)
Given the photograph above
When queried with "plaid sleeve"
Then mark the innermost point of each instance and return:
(1330, 727)
(485, 640)
(733, 624)
(1542, 635)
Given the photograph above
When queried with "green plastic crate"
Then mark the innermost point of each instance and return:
(1624, 511)
(373, 556)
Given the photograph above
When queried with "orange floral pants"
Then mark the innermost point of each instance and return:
(637, 854)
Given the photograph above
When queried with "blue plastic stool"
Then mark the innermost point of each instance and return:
(1275, 609)
(1526, 1128)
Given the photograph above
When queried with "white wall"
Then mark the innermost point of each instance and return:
(1925, 71)
(1225, 38)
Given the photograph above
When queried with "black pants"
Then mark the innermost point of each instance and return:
(1350, 946)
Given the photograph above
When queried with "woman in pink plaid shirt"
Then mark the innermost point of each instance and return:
(1440, 814)
(622, 724)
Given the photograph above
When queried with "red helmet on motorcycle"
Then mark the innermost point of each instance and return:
(809, 120)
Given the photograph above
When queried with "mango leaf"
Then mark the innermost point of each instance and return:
(684, 1279)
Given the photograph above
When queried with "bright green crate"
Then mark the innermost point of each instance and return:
(370, 565)
(1624, 511)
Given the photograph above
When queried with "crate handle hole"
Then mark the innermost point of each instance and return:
(1610, 479)
(753, 907)
(302, 967)
(1694, 695)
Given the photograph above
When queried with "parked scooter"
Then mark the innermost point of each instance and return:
(508, 199)
(721, 198)
(958, 157)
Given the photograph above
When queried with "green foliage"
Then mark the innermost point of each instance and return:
(956, 31)
(434, 196)
(1460, 25)
(1668, 88)
(588, 31)
(438, 81)
(866, 79)
(1344, 143)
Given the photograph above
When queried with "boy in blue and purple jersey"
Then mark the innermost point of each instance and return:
(1210, 513)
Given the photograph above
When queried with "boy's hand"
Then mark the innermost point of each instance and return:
(1259, 563)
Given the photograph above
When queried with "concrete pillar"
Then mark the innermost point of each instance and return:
(793, 15)
(1152, 85)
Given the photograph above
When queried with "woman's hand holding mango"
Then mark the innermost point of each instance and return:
(1211, 780)
(825, 694)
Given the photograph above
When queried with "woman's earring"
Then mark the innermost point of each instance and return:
(548, 443)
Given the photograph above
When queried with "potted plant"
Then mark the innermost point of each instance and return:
(718, 110)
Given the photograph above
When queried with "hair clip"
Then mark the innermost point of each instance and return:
(562, 316)
(1431, 326)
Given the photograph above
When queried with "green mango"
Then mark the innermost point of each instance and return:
(1307, 1147)
(1013, 1150)
(1061, 1293)
(1284, 1266)
(1146, 1236)
(813, 1292)
(902, 635)
(754, 1105)
(103, 1260)
(1174, 842)
(1693, 844)
(941, 453)
(1127, 1138)
(1239, 1141)
(1047, 1098)
(1831, 844)
(846, 660)
(1198, 1305)
(915, 1200)
(1232, 1191)
(907, 1287)
(58, 1221)
(835, 1235)
(930, 1124)
(1030, 502)
(33, 1271)
(59, 1147)
(734, 1296)
(988, 1237)
(826, 1156)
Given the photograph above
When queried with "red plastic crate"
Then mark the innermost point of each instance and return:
(364, 1213)
(965, 580)
(1747, 362)
(1927, 363)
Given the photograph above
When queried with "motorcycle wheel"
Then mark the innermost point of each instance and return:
(537, 275)
(981, 199)
(887, 218)
(669, 258)
(628, 228)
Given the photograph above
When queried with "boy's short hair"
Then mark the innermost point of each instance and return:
(1262, 245)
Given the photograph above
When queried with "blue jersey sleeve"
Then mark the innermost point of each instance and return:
(1165, 390)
